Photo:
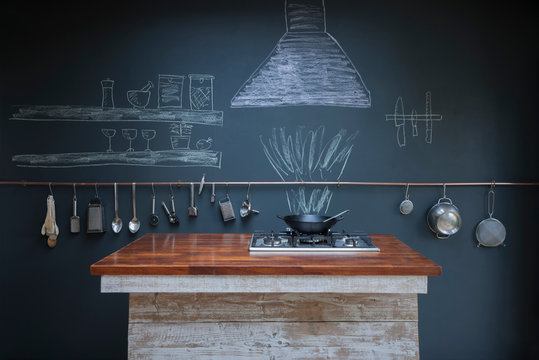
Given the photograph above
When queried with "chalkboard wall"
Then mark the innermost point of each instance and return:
(477, 62)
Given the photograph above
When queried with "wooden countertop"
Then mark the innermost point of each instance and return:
(228, 254)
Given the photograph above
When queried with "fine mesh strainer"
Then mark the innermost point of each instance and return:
(490, 232)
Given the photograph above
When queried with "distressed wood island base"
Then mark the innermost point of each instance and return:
(230, 306)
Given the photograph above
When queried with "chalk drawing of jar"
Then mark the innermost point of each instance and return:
(201, 91)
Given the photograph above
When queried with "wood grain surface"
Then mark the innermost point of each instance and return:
(177, 308)
(228, 254)
(274, 340)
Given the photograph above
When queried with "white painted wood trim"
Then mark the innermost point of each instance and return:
(263, 284)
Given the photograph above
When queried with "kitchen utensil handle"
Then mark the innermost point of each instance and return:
(490, 203)
(192, 185)
(165, 208)
(444, 198)
(339, 216)
(116, 199)
(172, 204)
(134, 201)
(212, 196)
(153, 204)
(74, 206)
(280, 217)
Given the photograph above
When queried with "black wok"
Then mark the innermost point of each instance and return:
(312, 224)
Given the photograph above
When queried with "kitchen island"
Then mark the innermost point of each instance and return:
(205, 296)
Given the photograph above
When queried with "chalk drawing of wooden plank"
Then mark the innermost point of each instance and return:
(93, 113)
(165, 158)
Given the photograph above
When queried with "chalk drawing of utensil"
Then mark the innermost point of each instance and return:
(428, 122)
(140, 98)
(399, 122)
(414, 123)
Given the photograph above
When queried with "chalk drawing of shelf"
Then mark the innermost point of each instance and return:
(184, 157)
(95, 114)
(400, 119)
(161, 158)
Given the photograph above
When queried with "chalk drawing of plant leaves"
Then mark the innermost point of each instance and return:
(307, 156)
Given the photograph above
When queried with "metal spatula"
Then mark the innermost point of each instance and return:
(75, 220)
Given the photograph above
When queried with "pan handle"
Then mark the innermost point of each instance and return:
(280, 217)
(338, 217)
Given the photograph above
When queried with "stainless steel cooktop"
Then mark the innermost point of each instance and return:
(290, 241)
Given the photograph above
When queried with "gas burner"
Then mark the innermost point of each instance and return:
(290, 240)
(272, 240)
(349, 241)
(312, 239)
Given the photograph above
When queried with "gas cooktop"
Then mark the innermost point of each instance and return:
(291, 241)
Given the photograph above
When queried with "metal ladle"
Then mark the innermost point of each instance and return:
(246, 207)
(134, 224)
(116, 222)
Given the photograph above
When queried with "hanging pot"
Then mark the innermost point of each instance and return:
(444, 218)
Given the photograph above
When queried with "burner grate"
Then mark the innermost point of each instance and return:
(291, 241)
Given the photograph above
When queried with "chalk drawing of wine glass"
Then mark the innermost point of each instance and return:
(110, 134)
(148, 134)
(129, 134)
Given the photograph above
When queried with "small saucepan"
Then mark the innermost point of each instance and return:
(312, 224)
(444, 218)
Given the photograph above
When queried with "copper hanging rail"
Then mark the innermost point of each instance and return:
(336, 183)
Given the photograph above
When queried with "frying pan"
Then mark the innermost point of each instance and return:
(312, 224)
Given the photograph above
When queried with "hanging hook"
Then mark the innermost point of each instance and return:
(493, 184)
(338, 183)
(444, 191)
(227, 193)
(153, 191)
(171, 191)
(96, 192)
(50, 189)
(74, 192)
(248, 190)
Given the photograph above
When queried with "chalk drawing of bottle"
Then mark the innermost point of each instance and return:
(107, 103)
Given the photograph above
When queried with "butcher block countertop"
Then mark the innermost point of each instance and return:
(228, 254)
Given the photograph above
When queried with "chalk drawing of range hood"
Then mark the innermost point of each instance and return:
(306, 67)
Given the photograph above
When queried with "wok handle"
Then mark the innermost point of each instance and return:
(338, 217)
(280, 217)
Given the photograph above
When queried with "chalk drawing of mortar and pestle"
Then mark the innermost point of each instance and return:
(140, 98)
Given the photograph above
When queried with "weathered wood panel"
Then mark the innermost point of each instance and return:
(263, 284)
(292, 307)
(228, 254)
(274, 340)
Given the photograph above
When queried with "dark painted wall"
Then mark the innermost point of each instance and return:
(479, 62)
